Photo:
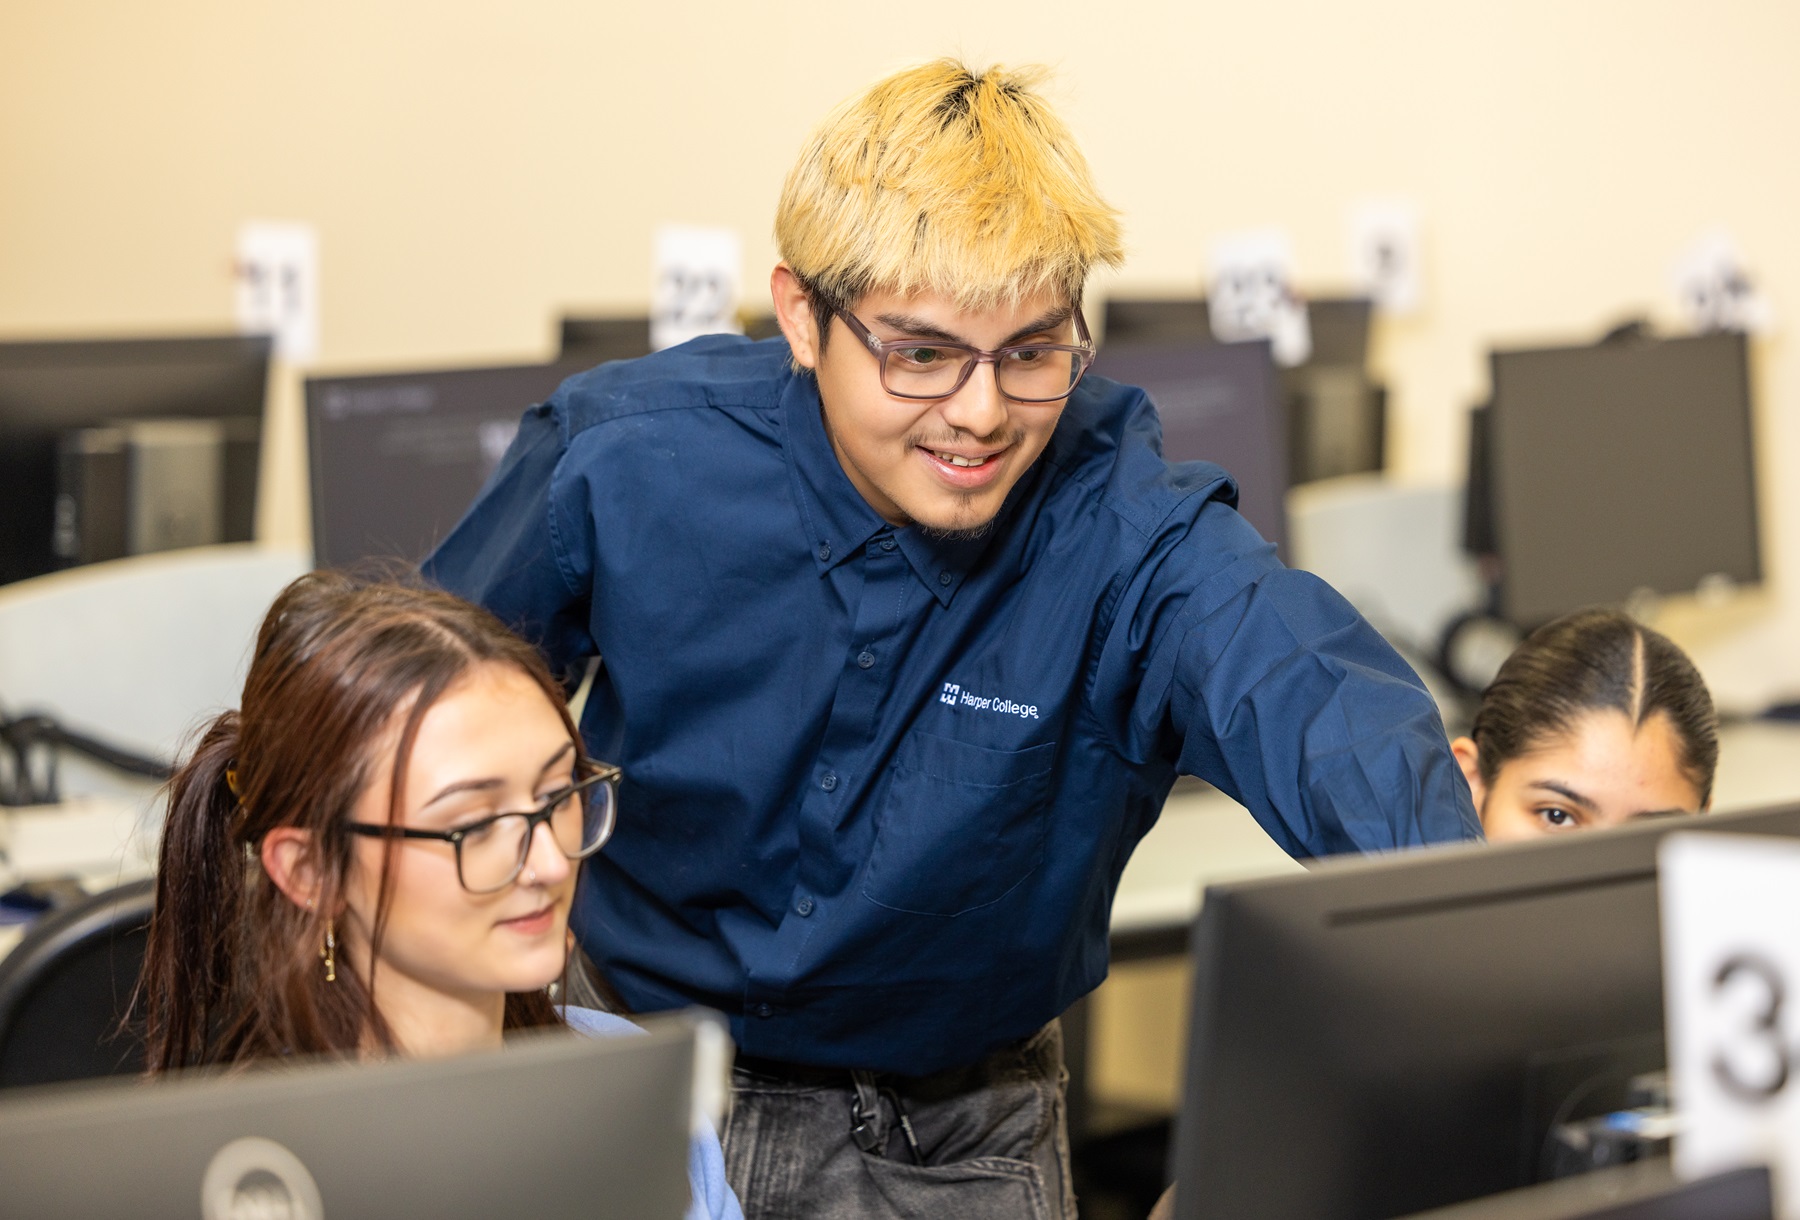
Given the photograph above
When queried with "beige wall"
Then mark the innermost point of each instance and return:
(474, 168)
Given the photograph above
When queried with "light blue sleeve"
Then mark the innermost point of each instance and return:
(713, 1197)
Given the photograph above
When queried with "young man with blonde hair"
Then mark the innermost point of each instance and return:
(907, 629)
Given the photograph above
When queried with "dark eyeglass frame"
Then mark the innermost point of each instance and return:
(604, 773)
(1084, 352)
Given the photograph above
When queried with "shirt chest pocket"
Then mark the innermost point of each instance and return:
(962, 825)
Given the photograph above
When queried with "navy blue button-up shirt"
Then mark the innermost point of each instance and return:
(880, 786)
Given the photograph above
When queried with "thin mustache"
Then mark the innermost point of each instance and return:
(1005, 441)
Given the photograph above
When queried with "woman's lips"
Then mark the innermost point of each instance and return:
(534, 924)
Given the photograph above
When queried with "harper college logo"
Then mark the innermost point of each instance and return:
(950, 693)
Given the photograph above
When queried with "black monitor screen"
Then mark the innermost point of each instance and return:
(599, 339)
(1219, 402)
(1622, 467)
(1380, 1037)
(397, 459)
(1157, 320)
(50, 388)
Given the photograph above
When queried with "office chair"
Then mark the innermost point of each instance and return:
(65, 988)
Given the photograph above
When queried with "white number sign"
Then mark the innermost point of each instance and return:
(278, 286)
(1250, 294)
(1731, 963)
(1715, 290)
(696, 284)
(1384, 252)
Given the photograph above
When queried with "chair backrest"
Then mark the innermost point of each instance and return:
(66, 987)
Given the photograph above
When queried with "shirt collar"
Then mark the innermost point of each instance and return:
(839, 523)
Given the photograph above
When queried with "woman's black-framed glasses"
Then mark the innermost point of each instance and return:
(490, 853)
(1025, 372)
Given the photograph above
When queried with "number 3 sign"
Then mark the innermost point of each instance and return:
(1731, 963)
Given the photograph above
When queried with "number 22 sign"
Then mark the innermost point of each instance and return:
(1731, 966)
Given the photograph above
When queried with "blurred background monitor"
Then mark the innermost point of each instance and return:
(595, 340)
(1642, 1190)
(600, 339)
(1219, 402)
(397, 459)
(1336, 414)
(1617, 469)
(1382, 1036)
(83, 473)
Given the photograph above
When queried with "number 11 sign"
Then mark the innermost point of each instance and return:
(1731, 967)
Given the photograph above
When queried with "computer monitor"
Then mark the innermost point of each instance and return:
(1622, 467)
(1644, 1190)
(1478, 493)
(1156, 320)
(1339, 327)
(595, 340)
(1336, 415)
(1219, 402)
(52, 388)
(397, 459)
(1386, 1035)
(555, 1125)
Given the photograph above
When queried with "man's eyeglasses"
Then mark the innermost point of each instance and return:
(490, 853)
(1025, 372)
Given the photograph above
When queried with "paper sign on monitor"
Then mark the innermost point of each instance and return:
(1731, 975)
(278, 286)
(696, 272)
(1716, 291)
(1384, 254)
(1250, 294)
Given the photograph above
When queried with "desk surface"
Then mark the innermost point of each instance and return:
(1205, 837)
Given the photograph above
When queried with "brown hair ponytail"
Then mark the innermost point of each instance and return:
(232, 971)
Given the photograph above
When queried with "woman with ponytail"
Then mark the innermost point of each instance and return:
(376, 853)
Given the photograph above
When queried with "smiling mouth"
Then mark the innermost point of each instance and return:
(957, 459)
(533, 916)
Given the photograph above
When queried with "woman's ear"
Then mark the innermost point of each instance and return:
(287, 856)
(794, 311)
(1468, 757)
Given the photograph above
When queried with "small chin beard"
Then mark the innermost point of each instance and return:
(958, 533)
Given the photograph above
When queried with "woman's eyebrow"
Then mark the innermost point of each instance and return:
(567, 747)
(489, 783)
(1563, 790)
(465, 785)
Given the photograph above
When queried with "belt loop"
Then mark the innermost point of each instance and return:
(865, 1112)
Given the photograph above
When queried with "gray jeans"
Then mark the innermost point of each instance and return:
(985, 1142)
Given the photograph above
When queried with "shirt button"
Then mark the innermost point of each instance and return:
(865, 658)
(943, 578)
(765, 1010)
(824, 552)
(888, 544)
(803, 908)
(828, 781)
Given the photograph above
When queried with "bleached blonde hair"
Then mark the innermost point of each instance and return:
(946, 181)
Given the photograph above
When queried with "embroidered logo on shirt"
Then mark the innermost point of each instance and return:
(954, 695)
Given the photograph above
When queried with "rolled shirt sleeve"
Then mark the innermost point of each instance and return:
(1263, 681)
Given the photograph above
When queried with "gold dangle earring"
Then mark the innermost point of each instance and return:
(328, 952)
